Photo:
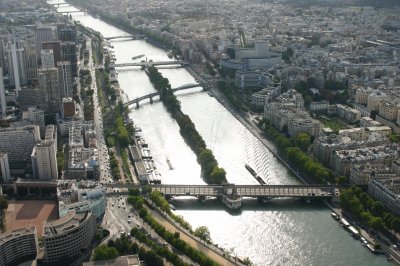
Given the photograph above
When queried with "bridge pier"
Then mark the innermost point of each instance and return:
(137, 105)
(151, 98)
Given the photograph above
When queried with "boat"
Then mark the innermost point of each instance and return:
(170, 56)
(251, 170)
(335, 216)
(172, 207)
(353, 232)
(137, 57)
(232, 201)
(169, 164)
(254, 174)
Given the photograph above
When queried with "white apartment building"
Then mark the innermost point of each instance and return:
(4, 167)
(375, 100)
(47, 57)
(44, 160)
(348, 113)
(390, 109)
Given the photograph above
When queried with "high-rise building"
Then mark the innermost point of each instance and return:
(56, 47)
(37, 117)
(31, 62)
(4, 167)
(16, 64)
(64, 78)
(68, 34)
(18, 143)
(47, 58)
(2, 94)
(30, 97)
(42, 34)
(44, 160)
(68, 53)
(49, 87)
(68, 110)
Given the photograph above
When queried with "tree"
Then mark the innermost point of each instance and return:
(105, 253)
(342, 180)
(377, 208)
(217, 175)
(303, 140)
(203, 233)
(376, 223)
(3, 203)
(396, 224)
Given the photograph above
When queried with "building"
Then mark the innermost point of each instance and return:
(248, 79)
(369, 122)
(2, 94)
(259, 98)
(69, 53)
(348, 113)
(64, 78)
(389, 109)
(386, 191)
(303, 124)
(44, 160)
(29, 97)
(362, 174)
(68, 110)
(18, 143)
(36, 116)
(42, 34)
(375, 100)
(18, 246)
(321, 106)
(68, 34)
(56, 47)
(68, 236)
(47, 57)
(16, 65)
(361, 96)
(82, 200)
(50, 92)
(31, 62)
(4, 168)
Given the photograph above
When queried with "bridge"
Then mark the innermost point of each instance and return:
(73, 11)
(235, 193)
(124, 37)
(151, 95)
(59, 4)
(148, 64)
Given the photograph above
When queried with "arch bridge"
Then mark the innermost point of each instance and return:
(154, 94)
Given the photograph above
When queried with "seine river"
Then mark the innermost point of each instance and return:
(280, 232)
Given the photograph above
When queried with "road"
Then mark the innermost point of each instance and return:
(104, 164)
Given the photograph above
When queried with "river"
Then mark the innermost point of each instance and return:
(280, 232)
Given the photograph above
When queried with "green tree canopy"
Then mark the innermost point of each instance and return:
(104, 252)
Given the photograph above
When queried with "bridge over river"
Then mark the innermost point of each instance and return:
(232, 194)
(154, 94)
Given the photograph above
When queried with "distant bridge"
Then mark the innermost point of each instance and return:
(148, 64)
(59, 4)
(254, 191)
(154, 94)
(125, 37)
(73, 11)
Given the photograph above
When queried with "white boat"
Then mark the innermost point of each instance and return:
(232, 201)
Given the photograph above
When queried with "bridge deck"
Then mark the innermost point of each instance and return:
(243, 190)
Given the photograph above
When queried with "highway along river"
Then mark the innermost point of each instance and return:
(280, 232)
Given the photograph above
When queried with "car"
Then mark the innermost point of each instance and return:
(119, 206)
(129, 221)
(395, 247)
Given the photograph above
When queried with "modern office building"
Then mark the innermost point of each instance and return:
(18, 246)
(49, 87)
(47, 58)
(56, 47)
(16, 64)
(68, 236)
(2, 94)
(31, 62)
(65, 78)
(36, 116)
(42, 34)
(4, 168)
(69, 53)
